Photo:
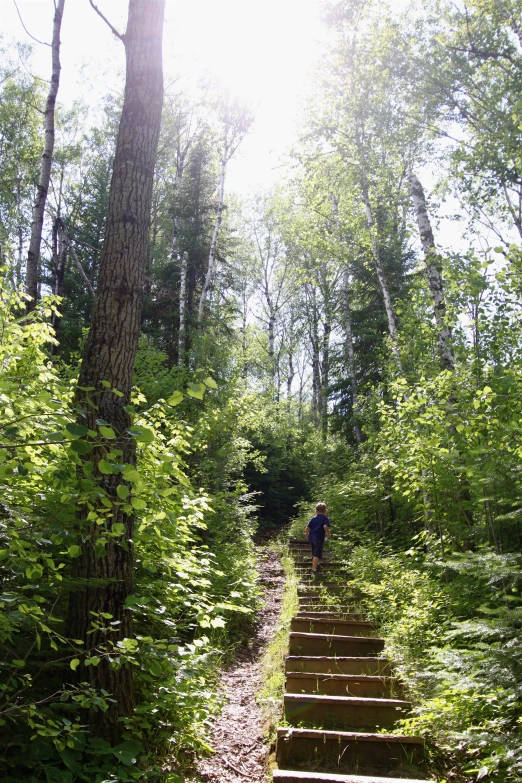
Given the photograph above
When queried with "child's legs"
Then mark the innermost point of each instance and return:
(316, 545)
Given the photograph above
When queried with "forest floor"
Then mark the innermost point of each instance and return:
(238, 737)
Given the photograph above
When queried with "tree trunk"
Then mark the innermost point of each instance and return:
(447, 359)
(350, 357)
(103, 582)
(316, 371)
(33, 254)
(381, 277)
(61, 244)
(182, 310)
(207, 285)
(348, 335)
(325, 379)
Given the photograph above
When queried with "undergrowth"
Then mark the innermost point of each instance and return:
(273, 662)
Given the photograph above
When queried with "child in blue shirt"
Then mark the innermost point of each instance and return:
(315, 531)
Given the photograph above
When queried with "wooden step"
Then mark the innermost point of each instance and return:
(333, 626)
(346, 751)
(321, 585)
(346, 712)
(323, 614)
(319, 608)
(294, 776)
(323, 664)
(333, 645)
(362, 685)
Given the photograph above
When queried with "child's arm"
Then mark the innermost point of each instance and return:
(327, 531)
(307, 530)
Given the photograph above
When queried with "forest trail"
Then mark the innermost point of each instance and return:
(339, 693)
(241, 749)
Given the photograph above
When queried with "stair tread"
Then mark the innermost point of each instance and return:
(318, 777)
(344, 637)
(352, 700)
(338, 657)
(350, 735)
(335, 676)
(367, 623)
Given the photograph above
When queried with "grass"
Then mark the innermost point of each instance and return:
(273, 662)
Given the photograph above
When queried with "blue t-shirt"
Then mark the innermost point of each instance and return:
(316, 526)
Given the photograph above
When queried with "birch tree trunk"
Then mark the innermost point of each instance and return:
(348, 335)
(207, 285)
(376, 252)
(33, 254)
(61, 245)
(316, 371)
(182, 310)
(350, 357)
(325, 379)
(104, 582)
(447, 359)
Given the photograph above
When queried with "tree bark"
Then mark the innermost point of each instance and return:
(381, 277)
(33, 254)
(325, 379)
(431, 258)
(348, 334)
(316, 370)
(350, 357)
(61, 245)
(103, 582)
(207, 285)
(182, 310)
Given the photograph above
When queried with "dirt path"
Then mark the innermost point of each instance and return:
(237, 737)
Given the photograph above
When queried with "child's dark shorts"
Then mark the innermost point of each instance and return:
(316, 545)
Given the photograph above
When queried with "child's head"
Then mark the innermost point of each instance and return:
(320, 508)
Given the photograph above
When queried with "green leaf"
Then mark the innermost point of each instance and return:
(81, 447)
(106, 384)
(128, 752)
(107, 432)
(210, 382)
(118, 528)
(138, 504)
(147, 435)
(196, 390)
(54, 436)
(122, 491)
(74, 550)
(117, 392)
(76, 430)
(175, 398)
(105, 467)
(74, 664)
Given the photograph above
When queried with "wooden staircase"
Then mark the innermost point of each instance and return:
(340, 692)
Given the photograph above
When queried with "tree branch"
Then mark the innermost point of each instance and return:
(113, 29)
(25, 28)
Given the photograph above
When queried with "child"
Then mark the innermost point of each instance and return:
(315, 531)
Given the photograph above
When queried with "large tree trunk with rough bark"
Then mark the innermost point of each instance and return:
(432, 260)
(33, 254)
(103, 581)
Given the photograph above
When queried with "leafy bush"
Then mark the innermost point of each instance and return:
(185, 591)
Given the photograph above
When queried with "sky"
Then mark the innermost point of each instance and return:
(263, 50)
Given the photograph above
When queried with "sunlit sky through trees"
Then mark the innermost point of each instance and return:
(261, 49)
